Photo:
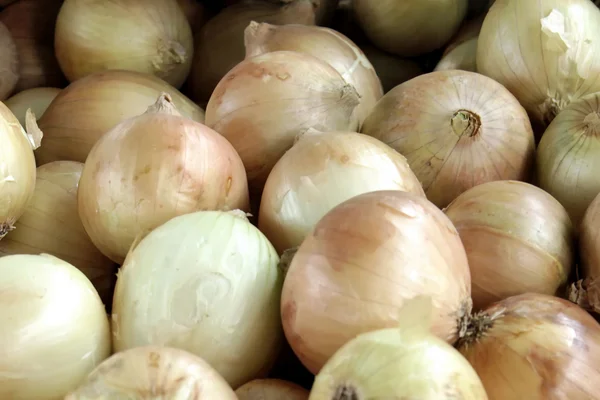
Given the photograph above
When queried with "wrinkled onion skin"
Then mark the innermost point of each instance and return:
(271, 389)
(538, 348)
(589, 252)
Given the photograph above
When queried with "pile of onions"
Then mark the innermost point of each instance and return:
(391, 70)
(37, 99)
(206, 282)
(271, 389)
(151, 168)
(153, 372)
(410, 27)
(51, 225)
(534, 346)
(90, 107)
(589, 253)
(361, 262)
(9, 63)
(321, 171)
(518, 239)
(220, 42)
(457, 129)
(159, 38)
(545, 52)
(461, 53)
(54, 327)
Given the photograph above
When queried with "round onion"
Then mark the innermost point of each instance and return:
(392, 71)
(151, 168)
(321, 171)
(271, 389)
(37, 99)
(9, 63)
(153, 373)
(54, 327)
(589, 254)
(457, 129)
(90, 107)
(158, 38)
(206, 282)
(361, 262)
(534, 346)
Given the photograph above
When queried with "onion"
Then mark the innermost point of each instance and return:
(37, 99)
(361, 262)
(90, 107)
(271, 389)
(153, 373)
(321, 171)
(461, 53)
(545, 52)
(392, 71)
(151, 168)
(325, 44)
(220, 42)
(9, 63)
(195, 13)
(54, 327)
(518, 239)
(534, 346)
(589, 245)
(159, 38)
(457, 129)
(410, 27)
(205, 282)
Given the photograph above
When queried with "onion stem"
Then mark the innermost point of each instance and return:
(473, 328)
(465, 122)
(592, 121)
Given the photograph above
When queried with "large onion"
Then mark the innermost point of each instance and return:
(457, 129)
(271, 389)
(589, 242)
(37, 99)
(9, 63)
(391, 70)
(206, 282)
(362, 261)
(321, 171)
(90, 107)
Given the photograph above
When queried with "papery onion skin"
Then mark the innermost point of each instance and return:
(536, 347)
(322, 170)
(362, 261)
(271, 389)
(88, 108)
(38, 99)
(518, 239)
(54, 327)
(206, 282)
(9, 63)
(152, 372)
(457, 129)
(391, 70)
(589, 254)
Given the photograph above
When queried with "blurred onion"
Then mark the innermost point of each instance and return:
(587, 292)
(392, 70)
(38, 99)
(271, 389)
(9, 63)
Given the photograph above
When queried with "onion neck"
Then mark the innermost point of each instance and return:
(6, 227)
(170, 54)
(164, 105)
(346, 392)
(465, 122)
(550, 109)
(472, 328)
(592, 123)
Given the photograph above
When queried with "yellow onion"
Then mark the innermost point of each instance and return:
(361, 262)
(206, 282)
(409, 27)
(54, 327)
(219, 46)
(271, 389)
(52, 225)
(391, 70)
(587, 292)
(457, 129)
(37, 99)
(518, 239)
(534, 347)
(93, 105)
(461, 53)
(151, 168)
(321, 171)
(152, 372)
(325, 44)
(9, 63)
(545, 52)
(151, 36)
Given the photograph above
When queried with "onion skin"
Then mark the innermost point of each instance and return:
(353, 273)
(38, 99)
(589, 253)
(271, 389)
(461, 57)
(536, 347)
(195, 13)
(88, 108)
(457, 129)
(391, 70)
(9, 63)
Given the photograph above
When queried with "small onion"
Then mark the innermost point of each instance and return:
(93, 105)
(38, 99)
(152, 372)
(321, 171)
(589, 253)
(206, 282)
(392, 70)
(457, 129)
(535, 347)
(9, 63)
(361, 262)
(54, 327)
(518, 239)
(271, 389)
(151, 168)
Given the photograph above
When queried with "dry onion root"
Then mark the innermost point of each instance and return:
(9, 63)
(37, 99)
(587, 292)
(271, 389)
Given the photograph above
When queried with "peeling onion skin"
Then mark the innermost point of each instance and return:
(271, 389)
(536, 347)
(518, 239)
(362, 261)
(457, 129)
(9, 63)
(589, 253)
(38, 99)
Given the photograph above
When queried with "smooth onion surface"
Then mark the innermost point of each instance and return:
(9, 63)
(271, 389)
(38, 99)
(589, 254)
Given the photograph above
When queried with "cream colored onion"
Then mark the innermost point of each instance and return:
(457, 129)
(391, 70)
(271, 389)
(151, 168)
(361, 262)
(545, 52)
(153, 372)
(54, 327)
(9, 63)
(93, 105)
(206, 282)
(587, 292)
(149, 36)
(38, 99)
(321, 171)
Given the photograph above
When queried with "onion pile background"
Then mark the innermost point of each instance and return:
(299, 199)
